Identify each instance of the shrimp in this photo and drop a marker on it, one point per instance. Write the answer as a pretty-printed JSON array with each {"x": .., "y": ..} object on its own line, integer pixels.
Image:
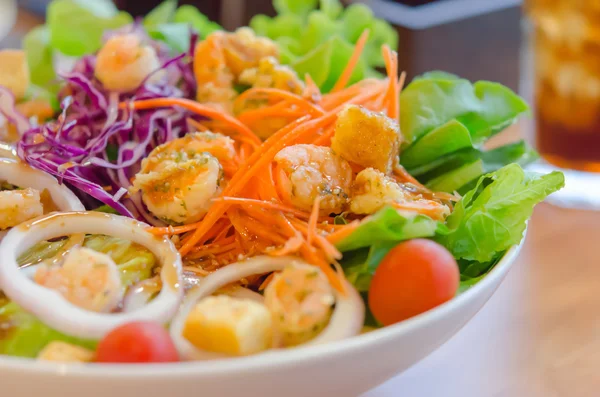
[
  {"x": 18, "y": 206},
  {"x": 224, "y": 59},
  {"x": 270, "y": 74},
  {"x": 372, "y": 190},
  {"x": 87, "y": 278},
  {"x": 367, "y": 138},
  {"x": 300, "y": 300},
  {"x": 315, "y": 171},
  {"x": 179, "y": 178},
  {"x": 124, "y": 63}
]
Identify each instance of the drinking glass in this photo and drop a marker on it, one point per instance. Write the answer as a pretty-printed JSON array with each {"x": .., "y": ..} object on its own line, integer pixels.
[{"x": 561, "y": 79}]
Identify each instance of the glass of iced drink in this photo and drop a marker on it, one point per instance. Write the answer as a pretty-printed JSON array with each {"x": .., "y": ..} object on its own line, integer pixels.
[{"x": 561, "y": 78}]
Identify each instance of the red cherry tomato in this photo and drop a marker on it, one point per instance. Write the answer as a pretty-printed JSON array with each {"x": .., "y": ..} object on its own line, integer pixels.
[
  {"x": 413, "y": 277},
  {"x": 138, "y": 342}
]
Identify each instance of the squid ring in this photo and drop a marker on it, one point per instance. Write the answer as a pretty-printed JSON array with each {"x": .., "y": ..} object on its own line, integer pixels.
[
  {"x": 52, "y": 308},
  {"x": 20, "y": 174},
  {"x": 347, "y": 318}
]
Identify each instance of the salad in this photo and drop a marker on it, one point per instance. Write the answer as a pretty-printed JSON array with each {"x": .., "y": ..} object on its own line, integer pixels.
[{"x": 172, "y": 191}]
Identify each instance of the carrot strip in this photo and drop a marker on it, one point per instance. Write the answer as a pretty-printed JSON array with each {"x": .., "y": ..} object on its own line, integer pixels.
[
  {"x": 266, "y": 282},
  {"x": 297, "y": 100},
  {"x": 264, "y": 204},
  {"x": 392, "y": 99},
  {"x": 196, "y": 125},
  {"x": 172, "y": 230},
  {"x": 243, "y": 175},
  {"x": 262, "y": 156},
  {"x": 196, "y": 108},
  {"x": 312, "y": 221},
  {"x": 311, "y": 91},
  {"x": 425, "y": 208},
  {"x": 282, "y": 184},
  {"x": 347, "y": 73},
  {"x": 342, "y": 233},
  {"x": 402, "y": 173},
  {"x": 252, "y": 116}
]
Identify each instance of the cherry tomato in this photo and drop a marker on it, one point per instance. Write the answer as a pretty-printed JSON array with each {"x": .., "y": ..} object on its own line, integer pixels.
[
  {"x": 138, "y": 342},
  {"x": 415, "y": 276}
]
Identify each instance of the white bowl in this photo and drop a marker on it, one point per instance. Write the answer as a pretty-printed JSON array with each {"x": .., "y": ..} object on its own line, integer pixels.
[{"x": 346, "y": 368}]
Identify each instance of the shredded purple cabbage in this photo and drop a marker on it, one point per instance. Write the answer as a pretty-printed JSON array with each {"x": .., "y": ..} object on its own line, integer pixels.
[{"x": 95, "y": 147}]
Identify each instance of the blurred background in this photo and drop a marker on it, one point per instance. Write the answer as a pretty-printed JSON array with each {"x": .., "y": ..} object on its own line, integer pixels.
[{"x": 476, "y": 39}]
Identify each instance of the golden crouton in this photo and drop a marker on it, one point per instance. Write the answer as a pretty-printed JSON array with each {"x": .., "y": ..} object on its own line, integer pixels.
[
  {"x": 367, "y": 138},
  {"x": 14, "y": 72},
  {"x": 65, "y": 352}
]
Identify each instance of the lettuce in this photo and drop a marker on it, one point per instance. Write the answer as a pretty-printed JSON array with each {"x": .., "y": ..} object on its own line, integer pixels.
[
  {"x": 376, "y": 236},
  {"x": 191, "y": 16},
  {"x": 318, "y": 37},
  {"x": 391, "y": 226},
  {"x": 39, "y": 56},
  {"x": 447, "y": 119},
  {"x": 23, "y": 335},
  {"x": 492, "y": 216},
  {"x": 76, "y": 26},
  {"x": 484, "y": 108},
  {"x": 161, "y": 14},
  {"x": 134, "y": 261}
]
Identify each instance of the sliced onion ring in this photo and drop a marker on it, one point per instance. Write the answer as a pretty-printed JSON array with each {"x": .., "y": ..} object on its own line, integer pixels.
[
  {"x": 20, "y": 174},
  {"x": 51, "y": 307},
  {"x": 347, "y": 318}
]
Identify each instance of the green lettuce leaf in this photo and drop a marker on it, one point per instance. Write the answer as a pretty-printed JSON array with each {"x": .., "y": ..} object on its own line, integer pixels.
[
  {"x": 176, "y": 35},
  {"x": 39, "y": 56},
  {"x": 23, "y": 335},
  {"x": 191, "y": 16},
  {"x": 76, "y": 26},
  {"x": 492, "y": 217},
  {"x": 457, "y": 178},
  {"x": 134, "y": 261},
  {"x": 320, "y": 41},
  {"x": 161, "y": 14},
  {"x": 437, "y": 75},
  {"x": 376, "y": 236},
  {"x": 331, "y": 8},
  {"x": 443, "y": 140},
  {"x": 316, "y": 63},
  {"x": 517, "y": 152},
  {"x": 297, "y": 7},
  {"x": 355, "y": 19},
  {"x": 484, "y": 108}
]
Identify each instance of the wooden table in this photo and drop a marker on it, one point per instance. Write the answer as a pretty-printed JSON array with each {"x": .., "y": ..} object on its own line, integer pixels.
[{"x": 538, "y": 336}]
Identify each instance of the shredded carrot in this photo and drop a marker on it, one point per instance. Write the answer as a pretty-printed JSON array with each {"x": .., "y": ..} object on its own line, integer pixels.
[
  {"x": 264, "y": 204},
  {"x": 347, "y": 73},
  {"x": 196, "y": 125},
  {"x": 429, "y": 208},
  {"x": 342, "y": 233},
  {"x": 392, "y": 99},
  {"x": 290, "y": 97},
  {"x": 254, "y": 213},
  {"x": 312, "y": 221},
  {"x": 311, "y": 91},
  {"x": 196, "y": 108},
  {"x": 276, "y": 111},
  {"x": 266, "y": 282},
  {"x": 402, "y": 173}
]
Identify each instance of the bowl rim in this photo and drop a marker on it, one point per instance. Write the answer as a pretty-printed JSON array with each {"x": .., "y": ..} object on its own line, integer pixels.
[{"x": 264, "y": 361}]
